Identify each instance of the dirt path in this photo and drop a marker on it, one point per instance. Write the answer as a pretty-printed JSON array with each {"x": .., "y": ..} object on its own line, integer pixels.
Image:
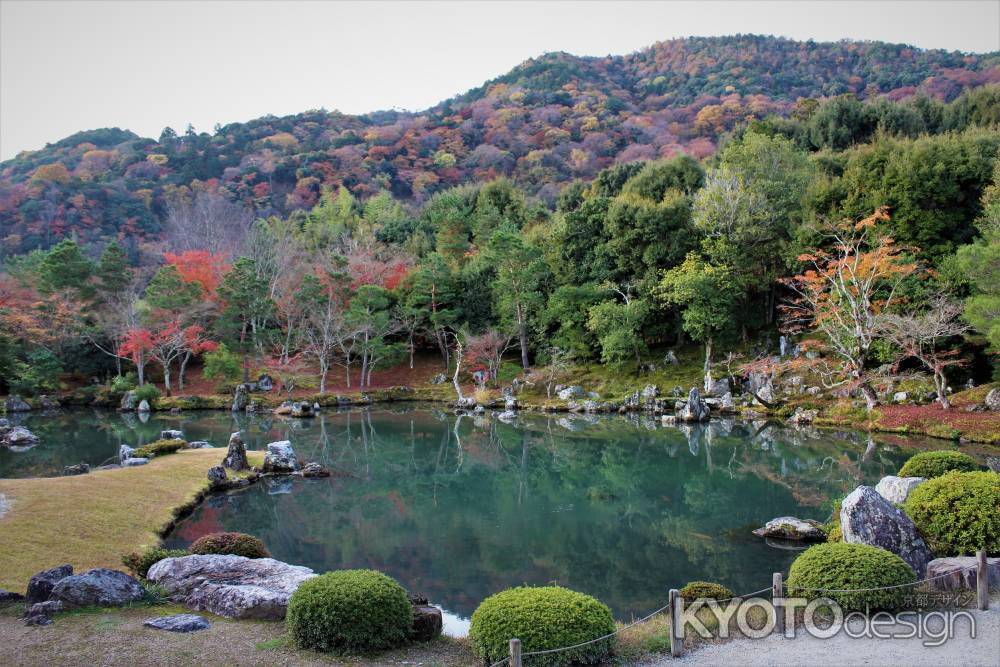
[{"x": 777, "y": 651}]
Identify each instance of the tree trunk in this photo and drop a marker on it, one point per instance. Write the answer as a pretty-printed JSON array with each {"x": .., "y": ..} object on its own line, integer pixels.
[
  {"x": 180, "y": 375},
  {"x": 708, "y": 364},
  {"x": 411, "y": 350},
  {"x": 871, "y": 398},
  {"x": 941, "y": 384},
  {"x": 166, "y": 377},
  {"x": 324, "y": 369},
  {"x": 140, "y": 369},
  {"x": 522, "y": 334},
  {"x": 246, "y": 368}
]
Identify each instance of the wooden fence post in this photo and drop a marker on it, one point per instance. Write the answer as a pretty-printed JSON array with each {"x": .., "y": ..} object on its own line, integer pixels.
[
  {"x": 777, "y": 593},
  {"x": 676, "y": 624},
  {"x": 983, "y": 580},
  {"x": 515, "y": 653}
]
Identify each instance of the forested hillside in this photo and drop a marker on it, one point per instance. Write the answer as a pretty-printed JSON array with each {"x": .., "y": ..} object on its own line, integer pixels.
[
  {"x": 549, "y": 121},
  {"x": 574, "y": 211}
]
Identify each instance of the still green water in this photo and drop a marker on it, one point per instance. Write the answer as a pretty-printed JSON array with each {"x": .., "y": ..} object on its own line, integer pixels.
[{"x": 457, "y": 508}]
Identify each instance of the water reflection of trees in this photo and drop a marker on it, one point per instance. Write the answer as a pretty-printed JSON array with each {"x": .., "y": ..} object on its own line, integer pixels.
[{"x": 458, "y": 507}]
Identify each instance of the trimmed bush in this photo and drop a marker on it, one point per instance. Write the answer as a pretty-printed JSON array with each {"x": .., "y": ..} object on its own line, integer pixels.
[
  {"x": 835, "y": 534},
  {"x": 159, "y": 448},
  {"x": 139, "y": 562},
  {"x": 935, "y": 464},
  {"x": 349, "y": 611},
  {"x": 146, "y": 392},
  {"x": 705, "y": 589},
  {"x": 542, "y": 618},
  {"x": 232, "y": 544},
  {"x": 843, "y": 566},
  {"x": 958, "y": 513}
]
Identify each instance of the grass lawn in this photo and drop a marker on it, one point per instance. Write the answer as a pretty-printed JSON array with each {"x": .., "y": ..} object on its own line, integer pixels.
[{"x": 91, "y": 520}]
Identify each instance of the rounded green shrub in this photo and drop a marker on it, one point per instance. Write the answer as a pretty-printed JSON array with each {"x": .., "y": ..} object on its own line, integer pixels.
[
  {"x": 835, "y": 534},
  {"x": 146, "y": 392},
  {"x": 349, "y": 611},
  {"x": 958, "y": 513},
  {"x": 139, "y": 562},
  {"x": 842, "y": 566},
  {"x": 705, "y": 589},
  {"x": 542, "y": 618},
  {"x": 935, "y": 464},
  {"x": 233, "y": 544}
]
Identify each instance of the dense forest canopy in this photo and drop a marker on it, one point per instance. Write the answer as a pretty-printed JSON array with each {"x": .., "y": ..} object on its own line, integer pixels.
[{"x": 573, "y": 210}]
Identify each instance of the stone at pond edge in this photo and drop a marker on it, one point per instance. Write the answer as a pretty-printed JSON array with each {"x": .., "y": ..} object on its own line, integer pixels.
[
  {"x": 868, "y": 518},
  {"x": 236, "y": 455},
  {"x": 171, "y": 435},
  {"x": 427, "y": 623},
  {"x": 18, "y": 436},
  {"x": 792, "y": 528},
  {"x": 217, "y": 475},
  {"x": 199, "y": 444},
  {"x": 241, "y": 397},
  {"x": 178, "y": 623},
  {"x": 78, "y": 469},
  {"x": 143, "y": 406},
  {"x": 135, "y": 461},
  {"x": 897, "y": 489},
  {"x": 302, "y": 409},
  {"x": 99, "y": 587},
  {"x": 40, "y": 585},
  {"x": 124, "y": 454},
  {"x": 694, "y": 409},
  {"x": 230, "y": 586},
  {"x": 314, "y": 469},
  {"x": 280, "y": 457},
  {"x": 17, "y": 404},
  {"x": 959, "y": 573},
  {"x": 129, "y": 401}
]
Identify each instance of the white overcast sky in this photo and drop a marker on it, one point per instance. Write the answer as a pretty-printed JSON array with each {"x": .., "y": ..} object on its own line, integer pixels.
[{"x": 69, "y": 66}]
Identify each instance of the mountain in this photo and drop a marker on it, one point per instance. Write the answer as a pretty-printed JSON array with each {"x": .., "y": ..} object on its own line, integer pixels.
[{"x": 552, "y": 119}]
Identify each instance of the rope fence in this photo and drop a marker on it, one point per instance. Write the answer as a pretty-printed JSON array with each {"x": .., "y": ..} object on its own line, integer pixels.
[{"x": 676, "y": 607}]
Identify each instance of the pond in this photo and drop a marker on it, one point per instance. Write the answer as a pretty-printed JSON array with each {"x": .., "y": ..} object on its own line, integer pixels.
[{"x": 457, "y": 508}]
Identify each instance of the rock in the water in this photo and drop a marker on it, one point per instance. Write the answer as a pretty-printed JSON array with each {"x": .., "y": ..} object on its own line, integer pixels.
[
  {"x": 171, "y": 435},
  {"x": 302, "y": 409},
  {"x": 897, "y": 489},
  {"x": 129, "y": 401},
  {"x": 143, "y": 406},
  {"x": 510, "y": 403},
  {"x": 803, "y": 416},
  {"x": 726, "y": 403},
  {"x": 284, "y": 409},
  {"x": 695, "y": 409},
  {"x": 567, "y": 393},
  {"x": 650, "y": 391},
  {"x": 40, "y": 585},
  {"x": 17, "y": 404},
  {"x": 280, "y": 457},
  {"x": 265, "y": 383},
  {"x": 198, "y": 444},
  {"x": 868, "y": 518},
  {"x": 135, "y": 461},
  {"x": 124, "y": 453},
  {"x": 217, "y": 475},
  {"x": 78, "y": 469},
  {"x": 7, "y": 597},
  {"x": 178, "y": 623},
  {"x": 18, "y": 436},
  {"x": 959, "y": 573},
  {"x": 230, "y": 586},
  {"x": 427, "y": 623},
  {"x": 315, "y": 470},
  {"x": 241, "y": 397},
  {"x": 236, "y": 455},
  {"x": 99, "y": 587},
  {"x": 792, "y": 528}
]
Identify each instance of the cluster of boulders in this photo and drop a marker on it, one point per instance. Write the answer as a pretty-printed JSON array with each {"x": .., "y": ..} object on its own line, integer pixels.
[
  {"x": 280, "y": 459},
  {"x": 16, "y": 437},
  {"x": 297, "y": 409}
]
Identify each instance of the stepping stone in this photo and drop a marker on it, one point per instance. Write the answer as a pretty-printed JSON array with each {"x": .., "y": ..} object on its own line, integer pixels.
[{"x": 178, "y": 623}]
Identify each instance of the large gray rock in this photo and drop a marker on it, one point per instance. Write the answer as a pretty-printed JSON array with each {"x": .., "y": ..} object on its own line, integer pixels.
[
  {"x": 17, "y": 404},
  {"x": 236, "y": 455},
  {"x": 265, "y": 383},
  {"x": 241, "y": 397},
  {"x": 129, "y": 401},
  {"x": 427, "y": 622},
  {"x": 792, "y": 528},
  {"x": 217, "y": 475},
  {"x": 280, "y": 457},
  {"x": 567, "y": 393},
  {"x": 694, "y": 409},
  {"x": 171, "y": 435},
  {"x": 720, "y": 387},
  {"x": 993, "y": 399},
  {"x": 178, "y": 623},
  {"x": 143, "y": 406},
  {"x": 230, "y": 586},
  {"x": 19, "y": 436},
  {"x": 897, "y": 489},
  {"x": 40, "y": 585},
  {"x": 959, "y": 573},
  {"x": 868, "y": 518},
  {"x": 135, "y": 461},
  {"x": 124, "y": 453},
  {"x": 99, "y": 587},
  {"x": 302, "y": 409}
]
